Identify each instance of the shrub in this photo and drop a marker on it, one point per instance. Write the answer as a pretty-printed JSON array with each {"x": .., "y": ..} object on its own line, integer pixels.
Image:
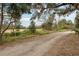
[
  {"x": 76, "y": 30},
  {"x": 15, "y": 33},
  {"x": 32, "y": 27}
]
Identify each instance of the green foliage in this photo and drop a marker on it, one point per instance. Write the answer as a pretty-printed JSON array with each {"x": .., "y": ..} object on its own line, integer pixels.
[
  {"x": 64, "y": 24},
  {"x": 13, "y": 34},
  {"x": 77, "y": 23},
  {"x": 50, "y": 5},
  {"x": 77, "y": 20},
  {"x": 10, "y": 37},
  {"x": 48, "y": 23},
  {"x": 47, "y": 26},
  {"x": 32, "y": 27},
  {"x": 76, "y": 30},
  {"x": 41, "y": 32},
  {"x": 14, "y": 12}
]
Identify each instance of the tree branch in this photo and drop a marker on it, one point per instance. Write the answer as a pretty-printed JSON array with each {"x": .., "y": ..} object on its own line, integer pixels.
[{"x": 7, "y": 27}]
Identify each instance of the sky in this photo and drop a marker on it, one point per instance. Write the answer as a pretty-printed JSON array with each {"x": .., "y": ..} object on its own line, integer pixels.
[
  {"x": 69, "y": 17},
  {"x": 25, "y": 19}
]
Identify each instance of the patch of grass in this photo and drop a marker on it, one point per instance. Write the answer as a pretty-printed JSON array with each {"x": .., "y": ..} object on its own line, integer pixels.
[
  {"x": 41, "y": 32},
  {"x": 20, "y": 35},
  {"x": 62, "y": 30}
]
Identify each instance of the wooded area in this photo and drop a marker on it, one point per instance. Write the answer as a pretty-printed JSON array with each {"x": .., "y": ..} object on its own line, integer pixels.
[{"x": 44, "y": 11}]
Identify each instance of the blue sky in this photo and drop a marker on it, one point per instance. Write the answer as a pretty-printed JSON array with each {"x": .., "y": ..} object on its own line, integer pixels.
[
  {"x": 69, "y": 17},
  {"x": 26, "y": 22}
]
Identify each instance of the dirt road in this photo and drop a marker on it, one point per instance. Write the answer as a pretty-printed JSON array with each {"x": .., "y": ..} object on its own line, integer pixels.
[{"x": 37, "y": 47}]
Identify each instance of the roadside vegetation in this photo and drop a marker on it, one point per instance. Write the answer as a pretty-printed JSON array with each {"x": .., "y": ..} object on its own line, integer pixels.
[{"x": 25, "y": 34}]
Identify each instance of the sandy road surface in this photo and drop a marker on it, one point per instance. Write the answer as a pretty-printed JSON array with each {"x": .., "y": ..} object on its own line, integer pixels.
[{"x": 36, "y": 47}]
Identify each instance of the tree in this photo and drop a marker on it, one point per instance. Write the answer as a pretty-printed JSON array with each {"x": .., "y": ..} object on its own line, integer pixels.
[
  {"x": 77, "y": 23},
  {"x": 64, "y": 24},
  {"x": 32, "y": 26},
  {"x": 44, "y": 9},
  {"x": 1, "y": 22},
  {"x": 47, "y": 25},
  {"x": 14, "y": 12},
  {"x": 77, "y": 20}
]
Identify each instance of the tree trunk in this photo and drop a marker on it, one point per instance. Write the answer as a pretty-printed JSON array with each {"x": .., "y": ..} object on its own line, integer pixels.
[
  {"x": 1, "y": 22},
  {"x": 1, "y": 39}
]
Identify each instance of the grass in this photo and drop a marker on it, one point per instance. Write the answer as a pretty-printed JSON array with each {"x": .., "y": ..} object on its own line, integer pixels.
[
  {"x": 20, "y": 35},
  {"x": 62, "y": 30},
  {"x": 24, "y": 34}
]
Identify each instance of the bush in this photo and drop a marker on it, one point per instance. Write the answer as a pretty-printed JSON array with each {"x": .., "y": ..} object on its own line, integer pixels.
[
  {"x": 32, "y": 27},
  {"x": 18, "y": 33},
  {"x": 15, "y": 33},
  {"x": 27, "y": 32},
  {"x": 76, "y": 30}
]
